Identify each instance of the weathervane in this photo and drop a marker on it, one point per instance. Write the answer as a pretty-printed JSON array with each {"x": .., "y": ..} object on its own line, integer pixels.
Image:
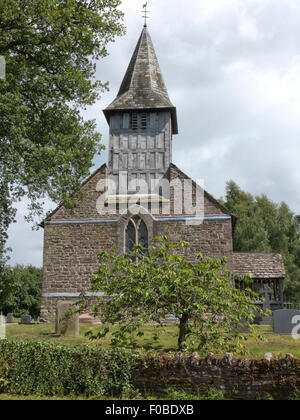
[{"x": 145, "y": 13}]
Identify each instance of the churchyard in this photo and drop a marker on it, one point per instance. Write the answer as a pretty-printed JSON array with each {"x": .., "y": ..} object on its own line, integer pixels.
[
  {"x": 33, "y": 343},
  {"x": 278, "y": 345}
]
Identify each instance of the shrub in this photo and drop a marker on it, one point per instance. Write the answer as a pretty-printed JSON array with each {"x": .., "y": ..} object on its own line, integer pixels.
[{"x": 42, "y": 368}]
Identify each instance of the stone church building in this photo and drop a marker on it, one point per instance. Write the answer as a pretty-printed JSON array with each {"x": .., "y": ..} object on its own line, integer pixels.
[{"x": 140, "y": 195}]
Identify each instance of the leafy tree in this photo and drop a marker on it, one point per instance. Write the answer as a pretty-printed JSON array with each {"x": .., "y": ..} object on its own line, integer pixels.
[
  {"x": 6, "y": 281},
  {"x": 250, "y": 234},
  {"x": 23, "y": 290},
  {"x": 264, "y": 226},
  {"x": 147, "y": 286},
  {"x": 50, "y": 47}
]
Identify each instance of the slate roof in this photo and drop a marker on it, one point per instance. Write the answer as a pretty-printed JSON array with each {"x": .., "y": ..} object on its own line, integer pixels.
[
  {"x": 143, "y": 87},
  {"x": 258, "y": 265}
]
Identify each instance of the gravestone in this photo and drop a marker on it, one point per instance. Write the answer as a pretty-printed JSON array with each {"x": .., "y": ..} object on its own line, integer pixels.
[
  {"x": 266, "y": 291},
  {"x": 2, "y": 327},
  {"x": 9, "y": 318},
  {"x": 286, "y": 321},
  {"x": 171, "y": 319},
  {"x": 67, "y": 322},
  {"x": 88, "y": 319},
  {"x": 26, "y": 319}
]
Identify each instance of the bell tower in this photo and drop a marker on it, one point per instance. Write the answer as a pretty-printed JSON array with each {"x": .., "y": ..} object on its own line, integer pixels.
[{"x": 142, "y": 121}]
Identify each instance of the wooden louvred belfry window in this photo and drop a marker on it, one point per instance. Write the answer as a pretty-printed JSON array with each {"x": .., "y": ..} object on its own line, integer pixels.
[
  {"x": 136, "y": 233},
  {"x": 143, "y": 121},
  {"x": 134, "y": 121},
  {"x": 137, "y": 120}
]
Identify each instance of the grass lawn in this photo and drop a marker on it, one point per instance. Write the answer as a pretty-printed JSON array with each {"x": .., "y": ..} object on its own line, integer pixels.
[
  {"x": 10, "y": 397},
  {"x": 170, "y": 396},
  {"x": 275, "y": 344}
]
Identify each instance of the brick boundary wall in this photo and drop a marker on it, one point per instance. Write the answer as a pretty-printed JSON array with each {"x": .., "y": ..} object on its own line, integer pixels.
[{"x": 237, "y": 378}]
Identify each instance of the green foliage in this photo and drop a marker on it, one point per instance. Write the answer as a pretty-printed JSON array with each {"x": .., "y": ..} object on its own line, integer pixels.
[
  {"x": 50, "y": 48},
  {"x": 250, "y": 234},
  {"x": 264, "y": 226},
  {"x": 40, "y": 368},
  {"x": 147, "y": 286},
  {"x": 23, "y": 290},
  {"x": 209, "y": 394},
  {"x": 6, "y": 282}
]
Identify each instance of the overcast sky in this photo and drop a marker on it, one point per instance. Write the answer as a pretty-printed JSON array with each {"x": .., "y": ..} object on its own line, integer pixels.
[{"x": 232, "y": 69}]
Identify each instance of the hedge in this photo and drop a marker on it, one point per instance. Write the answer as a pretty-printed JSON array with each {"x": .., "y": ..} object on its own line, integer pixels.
[{"x": 47, "y": 369}]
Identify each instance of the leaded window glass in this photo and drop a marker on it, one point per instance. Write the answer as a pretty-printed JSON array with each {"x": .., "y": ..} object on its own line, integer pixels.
[
  {"x": 130, "y": 236},
  {"x": 136, "y": 233}
]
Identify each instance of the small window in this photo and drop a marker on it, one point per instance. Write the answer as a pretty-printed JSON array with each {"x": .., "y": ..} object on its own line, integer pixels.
[
  {"x": 143, "y": 121},
  {"x": 134, "y": 121}
]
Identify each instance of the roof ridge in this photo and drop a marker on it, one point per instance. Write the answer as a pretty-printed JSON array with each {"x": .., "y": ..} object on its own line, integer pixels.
[
  {"x": 149, "y": 62},
  {"x": 132, "y": 63}
]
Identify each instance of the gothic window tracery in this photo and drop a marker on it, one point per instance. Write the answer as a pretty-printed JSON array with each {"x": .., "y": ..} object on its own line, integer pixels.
[{"x": 136, "y": 233}]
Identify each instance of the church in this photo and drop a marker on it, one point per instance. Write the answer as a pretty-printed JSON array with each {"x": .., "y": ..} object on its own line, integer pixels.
[{"x": 141, "y": 194}]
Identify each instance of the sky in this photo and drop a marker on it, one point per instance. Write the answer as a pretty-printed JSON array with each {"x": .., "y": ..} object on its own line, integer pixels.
[{"x": 232, "y": 69}]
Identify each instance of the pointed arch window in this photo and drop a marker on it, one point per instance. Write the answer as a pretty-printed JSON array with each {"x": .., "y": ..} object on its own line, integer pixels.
[{"x": 136, "y": 233}]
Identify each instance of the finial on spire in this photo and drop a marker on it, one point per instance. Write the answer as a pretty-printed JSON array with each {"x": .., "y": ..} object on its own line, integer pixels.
[{"x": 145, "y": 13}]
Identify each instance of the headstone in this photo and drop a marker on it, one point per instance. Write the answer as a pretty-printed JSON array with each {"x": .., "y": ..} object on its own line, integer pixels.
[
  {"x": 171, "y": 319},
  {"x": 9, "y": 318},
  {"x": 286, "y": 321},
  {"x": 67, "y": 322},
  {"x": 266, "y": 291},
  {"x": 26, "y": 319},
  {"x": 2, "y": 327},
  {"x": 88, "y": 319}
]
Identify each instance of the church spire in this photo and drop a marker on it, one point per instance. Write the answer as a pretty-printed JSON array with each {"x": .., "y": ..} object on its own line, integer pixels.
[{"x": 143, "y": 87}]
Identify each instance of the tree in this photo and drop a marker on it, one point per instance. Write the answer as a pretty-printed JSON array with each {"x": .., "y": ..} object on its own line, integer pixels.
[
  {"x": 250, "y": 234},
  {"x": 46, "y": 147},
  {"x": 6, "y": 281},
  {"x": 265, "y": 226},
  {"x": 23, "y": 290},
  {"x": 146, "y": 286}
]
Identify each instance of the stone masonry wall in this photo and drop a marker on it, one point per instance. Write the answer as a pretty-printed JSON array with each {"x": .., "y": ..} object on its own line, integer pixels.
[
  {"x": 239, "y": 378},
  {"x": 86, "y": 208},
  {"x": 70, "y": 251},
  {"x": 212, "y": 238},
  {"x": 70, "y": 258},
  {"x": 72, "y": 239}
]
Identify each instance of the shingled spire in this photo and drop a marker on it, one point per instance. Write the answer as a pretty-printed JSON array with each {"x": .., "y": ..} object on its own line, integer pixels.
[{"x": 143, "y": 87}]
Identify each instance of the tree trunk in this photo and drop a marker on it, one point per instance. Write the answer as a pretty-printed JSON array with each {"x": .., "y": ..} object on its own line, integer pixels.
[{"x": 182, "y": 329}]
